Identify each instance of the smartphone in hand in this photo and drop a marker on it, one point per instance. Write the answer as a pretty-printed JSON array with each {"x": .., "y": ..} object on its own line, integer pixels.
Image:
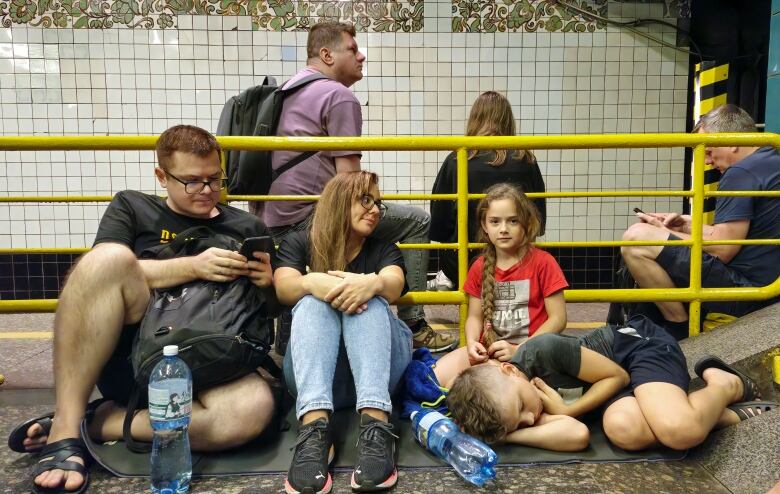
[
  {"x": 252, "y": 244},
  {"x": 263, "y": 244}
]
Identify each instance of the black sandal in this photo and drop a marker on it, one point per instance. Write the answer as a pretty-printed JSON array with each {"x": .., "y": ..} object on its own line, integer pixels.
[
  {"x": 19, "y": 433},
  {"x": 55, "y": 456},
  {"x": 749, "y": 386},
  {"x": 749, "y": 409}
]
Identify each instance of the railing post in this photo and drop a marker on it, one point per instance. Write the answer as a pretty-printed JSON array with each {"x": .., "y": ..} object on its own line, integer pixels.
[
  {"x": 223, "y": 163},
  {"x": 697, "y": 233},
  {"x": 463, "y": 234}
]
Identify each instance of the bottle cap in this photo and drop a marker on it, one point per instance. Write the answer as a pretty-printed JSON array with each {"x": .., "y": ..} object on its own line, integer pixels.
[{"x": 170, "y": 350}]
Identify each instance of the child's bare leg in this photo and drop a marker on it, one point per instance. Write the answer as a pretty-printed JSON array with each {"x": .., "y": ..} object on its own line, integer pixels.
[
  {"x": 681, "y": 421},
  {"x": 625, "y": 425}
]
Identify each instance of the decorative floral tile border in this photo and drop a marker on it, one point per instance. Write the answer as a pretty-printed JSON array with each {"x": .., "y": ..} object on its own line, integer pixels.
[
  {"x": 525, "y": 15},
  {"x": 270, "y": 15},
  {"x": 487, "y": 16}
]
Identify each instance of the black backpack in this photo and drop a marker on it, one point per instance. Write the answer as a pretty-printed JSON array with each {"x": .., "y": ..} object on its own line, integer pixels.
[
  {"x": 222, "y": 329},
  {"x": 256, "y": 112}
]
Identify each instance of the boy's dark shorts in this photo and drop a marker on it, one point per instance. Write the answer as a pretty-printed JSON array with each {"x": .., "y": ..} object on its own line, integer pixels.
[
  {"x": 676, "y": 261},
  {"x": 116, "y": 380},
  {"x": 651, "y": 357}
]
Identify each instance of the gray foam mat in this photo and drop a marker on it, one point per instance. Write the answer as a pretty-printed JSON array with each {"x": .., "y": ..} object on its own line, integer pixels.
[{"x": 272, "y": 452}]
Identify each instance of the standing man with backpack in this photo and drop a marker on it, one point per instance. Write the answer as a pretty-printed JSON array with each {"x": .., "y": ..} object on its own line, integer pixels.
[
  {"x": 106, "y": 296},
  {"x": 327, "y": 107}
]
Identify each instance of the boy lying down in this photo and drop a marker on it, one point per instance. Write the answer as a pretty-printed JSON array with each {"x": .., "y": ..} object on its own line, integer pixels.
[{"x": 638, "y": 372}]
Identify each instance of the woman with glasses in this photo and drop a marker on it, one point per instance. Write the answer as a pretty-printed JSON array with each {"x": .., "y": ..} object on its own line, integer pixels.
[{"x": 346, "y": 348}]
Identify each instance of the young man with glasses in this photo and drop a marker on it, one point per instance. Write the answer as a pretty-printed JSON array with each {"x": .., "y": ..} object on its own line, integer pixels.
[
  {"x": 105, "y": 298},
  {"x": 327, "y": 107}
]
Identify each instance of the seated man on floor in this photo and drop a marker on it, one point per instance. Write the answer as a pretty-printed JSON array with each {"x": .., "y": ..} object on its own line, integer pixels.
[
  {"x": 737, "y": 218},
  {"x": 106, "y": 296},
  {"x": 638, "y": 371}
]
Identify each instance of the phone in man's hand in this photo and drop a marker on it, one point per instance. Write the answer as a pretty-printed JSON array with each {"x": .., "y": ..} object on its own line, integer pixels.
[{"x": 252, "y": 244}]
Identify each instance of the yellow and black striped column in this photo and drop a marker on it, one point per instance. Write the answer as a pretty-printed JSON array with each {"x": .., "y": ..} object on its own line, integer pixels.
[{"x": 710, "y": 91}]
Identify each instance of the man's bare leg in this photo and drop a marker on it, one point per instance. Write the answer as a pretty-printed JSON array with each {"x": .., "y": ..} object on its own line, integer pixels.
[
  {"x": 222, "y": 417},
  {"x": 641, "y": 261},
  {"x": 105, "y": 290}
]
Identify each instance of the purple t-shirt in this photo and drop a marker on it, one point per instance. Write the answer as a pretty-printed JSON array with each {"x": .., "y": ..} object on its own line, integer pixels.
[{"x": 321, "y": 108}]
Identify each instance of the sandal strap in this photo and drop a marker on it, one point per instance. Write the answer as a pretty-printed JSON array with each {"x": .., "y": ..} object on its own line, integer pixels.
[
  {"x": 45, "y": 423},
  {"x": 742, "y": 412},
  {"x": 746, "y": 410},
  {"x": 55, "y": 456},
  {"x": 19, "y": 433},
  {"x": 71, "y": 466},
  {"x": 751, "y": 390}
]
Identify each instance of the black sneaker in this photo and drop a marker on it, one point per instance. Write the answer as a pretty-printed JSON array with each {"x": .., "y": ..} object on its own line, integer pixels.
[
  {"x": 375, "y": 464},
  {"x": 309, "y": 468}
]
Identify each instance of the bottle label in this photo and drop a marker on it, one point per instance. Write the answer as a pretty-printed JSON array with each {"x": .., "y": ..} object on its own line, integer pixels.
[
  {"x": 425, "y": 425},
  {"x": 171, "y": 402}
]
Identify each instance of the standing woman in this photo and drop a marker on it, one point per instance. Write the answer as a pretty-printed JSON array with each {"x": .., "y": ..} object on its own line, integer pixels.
[
  {"x": 346, "y": 346},
  {"x": 491, "y": 115}
]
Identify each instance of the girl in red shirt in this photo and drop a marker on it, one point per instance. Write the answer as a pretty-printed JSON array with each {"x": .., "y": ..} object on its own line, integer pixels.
[{"x": 515, "y": 290}]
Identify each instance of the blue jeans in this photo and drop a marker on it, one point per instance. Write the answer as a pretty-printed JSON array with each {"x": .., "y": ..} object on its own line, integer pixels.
[
  {"x": 408, "y": 224},
  {"x": 345, "y": 360}
]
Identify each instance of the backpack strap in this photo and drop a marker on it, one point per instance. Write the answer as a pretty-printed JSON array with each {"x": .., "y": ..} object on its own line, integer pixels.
[
  {"x": 189, "y": 242},
  {"x": 132, "y": 408},
  {"x": 269, "y": 365},
  {"x": 303, "y": 81},
  {"x": 296, "y": 160},
  {"x": 284, "y": 92}
]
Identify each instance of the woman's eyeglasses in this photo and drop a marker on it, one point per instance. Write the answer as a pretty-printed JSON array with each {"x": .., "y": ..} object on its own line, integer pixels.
[
  {"x": 369, "y": 202},
  {"x": 197, "y": 186}
]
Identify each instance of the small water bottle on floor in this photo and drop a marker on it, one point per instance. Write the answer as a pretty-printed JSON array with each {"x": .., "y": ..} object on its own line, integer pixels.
[
  {"x": 474, "y": 460},
  {"x": 170, "y": 407}
]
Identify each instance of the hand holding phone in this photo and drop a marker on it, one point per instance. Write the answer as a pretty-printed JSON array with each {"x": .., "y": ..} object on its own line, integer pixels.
[{"x": 252, "y": 244}]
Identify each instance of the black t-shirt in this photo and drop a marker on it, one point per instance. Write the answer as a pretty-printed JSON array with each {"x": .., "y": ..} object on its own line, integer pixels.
[
  {"x": 140, "y": 221},
  {"x": 759, "y": 171},
  {"x": 523, "y": 173},
  {"x": 556, "y": 358},
  {"x": 375, "y": 254}
]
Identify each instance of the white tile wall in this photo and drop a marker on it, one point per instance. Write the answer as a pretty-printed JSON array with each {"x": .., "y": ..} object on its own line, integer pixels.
[{"x": 120, "y": 81}]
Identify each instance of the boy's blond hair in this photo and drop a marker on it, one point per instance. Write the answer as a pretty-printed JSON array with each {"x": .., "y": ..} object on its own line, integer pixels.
[{"x": 473, "y": 403}]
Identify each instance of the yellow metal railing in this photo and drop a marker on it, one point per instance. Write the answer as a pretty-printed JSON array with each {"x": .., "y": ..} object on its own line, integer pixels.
[{"x": 694, "y": 294}]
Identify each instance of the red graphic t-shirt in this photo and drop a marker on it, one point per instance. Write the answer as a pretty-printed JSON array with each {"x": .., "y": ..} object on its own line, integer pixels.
[{"x": 519, "y": 293}]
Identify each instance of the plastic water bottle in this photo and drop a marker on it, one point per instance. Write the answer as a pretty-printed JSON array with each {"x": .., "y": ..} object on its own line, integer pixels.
[
  {"x": 170, "y": 407},
  {"x": 474, "y": 460}
]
